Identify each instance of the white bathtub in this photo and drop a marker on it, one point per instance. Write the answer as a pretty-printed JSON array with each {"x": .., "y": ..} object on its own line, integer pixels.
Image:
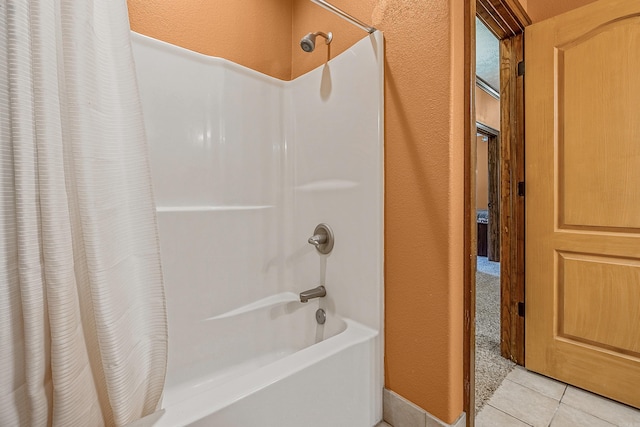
[
  {"x": 242, "y": 175},
  {"x": 306, "y": 375}
]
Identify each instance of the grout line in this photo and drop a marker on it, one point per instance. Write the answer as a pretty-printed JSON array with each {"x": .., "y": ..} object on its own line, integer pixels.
[
  {"x": 554, "y": 413},
  {"x": 553, "y": 398},
  {"x": 608, "y": 421},
  {"x": 533, "y": 390},
  {"x": 566, "y": 387},
  {"x": 510, "y": 415}
]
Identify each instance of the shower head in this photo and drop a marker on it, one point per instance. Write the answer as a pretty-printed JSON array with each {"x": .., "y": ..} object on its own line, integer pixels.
[{"x": 308, "y": 42}]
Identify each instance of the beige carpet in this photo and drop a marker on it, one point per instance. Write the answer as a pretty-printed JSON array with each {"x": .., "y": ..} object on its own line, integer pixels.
[{"x": 491, "y": 368}]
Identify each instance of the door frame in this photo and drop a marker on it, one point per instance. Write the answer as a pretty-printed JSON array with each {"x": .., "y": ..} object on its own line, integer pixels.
[
  {"x": 507, "y": 20},
  {"x": 494, "y": 178}
]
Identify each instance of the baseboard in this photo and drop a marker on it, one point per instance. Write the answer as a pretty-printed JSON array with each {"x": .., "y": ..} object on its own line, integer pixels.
[{"x": 399, "y": 412}]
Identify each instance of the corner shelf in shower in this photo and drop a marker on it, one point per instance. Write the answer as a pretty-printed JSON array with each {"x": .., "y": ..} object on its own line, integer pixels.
[
  {"x": 328, "y": 185},
  {"x": 211, "y": 208}
]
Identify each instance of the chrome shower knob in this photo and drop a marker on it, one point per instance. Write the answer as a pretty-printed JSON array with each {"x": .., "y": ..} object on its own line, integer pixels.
[{"x": 322, "y": 239}]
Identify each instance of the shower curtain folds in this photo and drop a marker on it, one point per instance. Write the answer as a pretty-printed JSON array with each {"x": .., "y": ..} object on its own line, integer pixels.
[{"x": 83, "y": 329}]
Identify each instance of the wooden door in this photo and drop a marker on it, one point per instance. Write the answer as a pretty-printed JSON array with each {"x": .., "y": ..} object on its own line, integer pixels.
[{"x": 582, "y": 91}]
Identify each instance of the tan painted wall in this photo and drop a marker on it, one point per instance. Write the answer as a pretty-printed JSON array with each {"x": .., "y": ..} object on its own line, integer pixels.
[
  {"x": 424, "y": 155},
  {"x": 487, "y": 109},
  {"x": 539, "y": 10},
  {"x": 253, "y": 33}
]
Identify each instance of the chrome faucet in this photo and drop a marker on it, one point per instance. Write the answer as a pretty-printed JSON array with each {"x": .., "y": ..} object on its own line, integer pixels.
[{"x": 318, "y": 292}]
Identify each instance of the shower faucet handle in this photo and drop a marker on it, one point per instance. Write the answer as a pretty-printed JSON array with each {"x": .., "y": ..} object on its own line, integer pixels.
[
  {"x": 322, "y": 239},
  {"x": 317, "y": 240}
]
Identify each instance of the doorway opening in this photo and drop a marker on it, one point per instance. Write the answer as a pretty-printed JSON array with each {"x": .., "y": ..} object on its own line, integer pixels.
[
  {"x": 490, "y": 367},
  {"x": 505, "y": 20}
]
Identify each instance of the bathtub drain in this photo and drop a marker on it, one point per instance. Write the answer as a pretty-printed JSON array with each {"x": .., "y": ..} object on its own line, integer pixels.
[{"x": 321, "y": 316}]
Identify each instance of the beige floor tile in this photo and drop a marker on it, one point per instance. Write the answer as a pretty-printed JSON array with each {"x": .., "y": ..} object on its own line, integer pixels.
[
  {"x": 383, "y": 424},
  {"x": 544, "y": 385},
  {"x": 524, "y": 404},
  {"x": 492, "y": 417},
  {"x": 566, "y": 416},
  {"x": 614, "y": 412}
]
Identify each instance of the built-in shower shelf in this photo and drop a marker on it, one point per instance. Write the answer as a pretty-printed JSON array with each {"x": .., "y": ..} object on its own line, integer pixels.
[
  {"x": 211, "y": 208},
  {"x": 327, "y": 185}
]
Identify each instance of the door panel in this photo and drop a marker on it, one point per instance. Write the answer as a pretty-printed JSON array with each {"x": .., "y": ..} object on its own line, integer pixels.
[
  {"x": 596, "y": 81},
  {"x": 597, "y": 296},
  {"x": 583, "y": 198}
]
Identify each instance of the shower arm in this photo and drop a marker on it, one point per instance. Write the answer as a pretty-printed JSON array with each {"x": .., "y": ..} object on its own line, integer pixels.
[{"x": 358, "y": 23}]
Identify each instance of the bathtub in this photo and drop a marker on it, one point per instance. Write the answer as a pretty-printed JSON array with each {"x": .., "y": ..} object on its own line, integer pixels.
[{"x": 306, "y": 375}]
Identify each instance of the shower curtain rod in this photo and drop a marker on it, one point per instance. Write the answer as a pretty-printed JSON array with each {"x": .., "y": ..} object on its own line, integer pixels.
[{"x": 345, "y": 15}]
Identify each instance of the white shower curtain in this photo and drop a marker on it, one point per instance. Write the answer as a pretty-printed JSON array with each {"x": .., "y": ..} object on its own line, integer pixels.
[{"x": 83, "y": 330}]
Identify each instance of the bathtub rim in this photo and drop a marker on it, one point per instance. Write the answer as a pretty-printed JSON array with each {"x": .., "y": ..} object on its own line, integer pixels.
[{"x": 211, "y": 400}]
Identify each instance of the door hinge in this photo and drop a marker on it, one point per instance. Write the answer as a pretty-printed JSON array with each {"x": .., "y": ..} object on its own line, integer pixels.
[
  {"x": 520, "y": 68},
  {"x": 521, "y": 188},
  {"x": 521, "y": 309}
]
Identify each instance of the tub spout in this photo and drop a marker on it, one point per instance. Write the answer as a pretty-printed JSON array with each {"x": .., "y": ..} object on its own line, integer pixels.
[{"x": 318, "y": 292}]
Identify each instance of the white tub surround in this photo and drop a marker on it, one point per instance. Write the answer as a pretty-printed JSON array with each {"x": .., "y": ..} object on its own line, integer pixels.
[{"x": 245, "y": 166}]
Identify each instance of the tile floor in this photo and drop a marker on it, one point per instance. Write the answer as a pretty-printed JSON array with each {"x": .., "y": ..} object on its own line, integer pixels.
[{"x": 528, "y": 399}]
